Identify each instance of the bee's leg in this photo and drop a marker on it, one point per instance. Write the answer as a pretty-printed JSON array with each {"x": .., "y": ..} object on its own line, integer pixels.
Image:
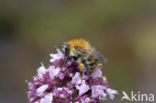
[
  {"x": 70, "y": 58},
  {"x": 67, "y": 59},
  {"x": 81, "y": 67},
  {"x": 67, "y": 52},
  {"x": 65, "y": 62},
  {"x": 82, "y": 64},
  {"x": 98, "y": 66}
]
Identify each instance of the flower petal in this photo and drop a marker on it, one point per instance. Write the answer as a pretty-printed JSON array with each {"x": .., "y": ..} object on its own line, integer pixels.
[
  {"x": 111, "y": 93},
  {"x": 41, "y": 89},
  {"x": 76, "y": 79},
  {"x": 57, "y": 56},
  {"x": 83, "y": 88},
  {"x": 98, "y": 91},
  {"x": 61, "y": 76},
  {"x": 97, "y": 73},
  {"x": 41, "y": 70},
  {"x": 87, "y": 100},
  {"x": 31, "y": 86},
  {"x": 53, "y": 71},
  {"x": 47, "y": 99}
]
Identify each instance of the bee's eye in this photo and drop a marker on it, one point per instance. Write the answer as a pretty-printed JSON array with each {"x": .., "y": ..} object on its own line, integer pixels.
[{"x": 66, "y": 50}]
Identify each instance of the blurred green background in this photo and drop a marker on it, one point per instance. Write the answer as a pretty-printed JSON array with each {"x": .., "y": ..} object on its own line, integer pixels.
[{"x": 123, "y": 30}]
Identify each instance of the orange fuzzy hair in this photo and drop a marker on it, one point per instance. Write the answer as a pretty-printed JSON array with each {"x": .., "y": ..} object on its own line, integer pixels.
[{"x": 81, "y": 43}]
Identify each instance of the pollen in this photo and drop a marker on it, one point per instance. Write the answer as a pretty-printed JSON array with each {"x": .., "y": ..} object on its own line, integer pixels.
[
  {"x": 81, "y": 43},
  {"x": 81, "y": 67}
]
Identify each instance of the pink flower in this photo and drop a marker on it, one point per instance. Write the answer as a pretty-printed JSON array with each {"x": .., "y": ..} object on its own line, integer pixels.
[
  {"x": 41, "y": 90},
  {"x": 76, "y": 79},
  {"x": 58, "y": 56},
  {"x": 83, "y": 88},
  {"x": 98, "y": 91},
  {"x": 41, "y": 70},
  {"x": 87, "y": 100},
  {"x": 64, "y": 83},
  {"x": 97, "y": 73},
  {"x": 47, "y": 99},
  {"x": 53, "y": 71},
  {"x": 61, "y": 76},
  {"x": 111, "y": 93}
]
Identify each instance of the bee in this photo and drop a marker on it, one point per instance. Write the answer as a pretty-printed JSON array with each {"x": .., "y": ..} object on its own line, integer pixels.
[{"x": 81, "y": 51}]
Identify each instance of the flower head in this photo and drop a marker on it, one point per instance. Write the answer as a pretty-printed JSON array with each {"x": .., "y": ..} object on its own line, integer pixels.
[
  {"x": 63, "y": 82},
  {"x": 98, "y": 91},
  {"x": 41, "y": 70},
  {"x": 57, "y": 56}
]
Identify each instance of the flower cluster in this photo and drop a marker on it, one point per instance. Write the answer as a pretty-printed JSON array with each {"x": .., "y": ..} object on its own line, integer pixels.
[{"x": 63, "y": 83}]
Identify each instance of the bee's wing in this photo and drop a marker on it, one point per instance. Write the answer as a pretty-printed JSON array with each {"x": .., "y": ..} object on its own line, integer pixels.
[
  {"x": 97, "y": 55},
  {"x": 94, "y": 53}
]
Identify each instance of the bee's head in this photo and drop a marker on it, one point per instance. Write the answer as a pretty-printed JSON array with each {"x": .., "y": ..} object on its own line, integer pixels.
[{"x": 66, "y": 49}]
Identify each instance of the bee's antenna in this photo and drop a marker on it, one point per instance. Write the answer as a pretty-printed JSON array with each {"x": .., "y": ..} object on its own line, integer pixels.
[{"x": 57, "y": 47}]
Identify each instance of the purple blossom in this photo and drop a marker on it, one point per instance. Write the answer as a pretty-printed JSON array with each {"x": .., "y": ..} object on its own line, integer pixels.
[
  {"x": 41, "y": 70},
  {"x": 41, "y": 90},
  {"x": 86, "y": 100},
  {"x": 57, "y": 56},
  {"x": 83, "y": 88},
  {"x": 97, "y": 73},
  {"x": 61, "y": 76},
  {"x": 98, "y": 92},
  {"x": 47, "y": 99},
  {"x": 111, "y": 93},
  {"x": 76, "y": 79},
  {"x": 53, "y": 71},
  {"x": 64, "y": 83}
]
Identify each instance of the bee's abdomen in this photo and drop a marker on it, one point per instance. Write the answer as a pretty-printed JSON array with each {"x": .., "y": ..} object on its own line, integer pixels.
[
  {"x": 87, "y": 60},
  {"x": 90, "y": 63}
]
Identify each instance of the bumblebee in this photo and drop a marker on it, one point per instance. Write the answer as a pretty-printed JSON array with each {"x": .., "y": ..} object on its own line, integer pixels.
[{"x": 81, "y": 51}]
